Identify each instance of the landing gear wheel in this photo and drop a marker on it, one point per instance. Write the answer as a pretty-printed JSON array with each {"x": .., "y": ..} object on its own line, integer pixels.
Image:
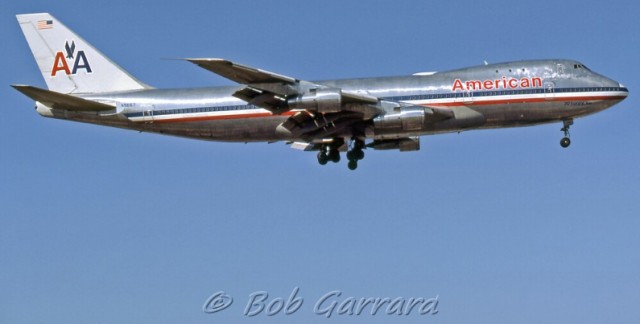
[
  {"x": 334, "y": 156},
  {"x": 566, "y": 124},
  {"x": 353, "y": 164},
  {"x": 356, "y": 153},
  {"x": 322, "y": 158}
]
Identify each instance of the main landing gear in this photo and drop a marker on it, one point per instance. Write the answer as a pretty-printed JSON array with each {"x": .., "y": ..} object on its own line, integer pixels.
[
  {"x": 330, "y": 153},
  {"x": 355, "y": 154},
  {"x": 327, "y": 154},
  {"x": 566, "y": 141}
]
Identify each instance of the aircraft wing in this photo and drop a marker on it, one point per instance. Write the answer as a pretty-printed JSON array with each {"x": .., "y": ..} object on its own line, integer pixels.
[
  {"x": 241, "y": 73},
  {"x": 323, "y": 111},
  {"x": 271, "y": 90},
  {"x": 62, "y": 101}
]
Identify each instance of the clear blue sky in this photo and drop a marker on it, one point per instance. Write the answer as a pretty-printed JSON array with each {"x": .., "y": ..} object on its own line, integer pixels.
[{"x": 101, "y": 225}]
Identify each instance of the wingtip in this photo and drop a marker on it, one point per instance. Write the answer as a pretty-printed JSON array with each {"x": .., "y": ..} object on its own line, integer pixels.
[
  {"x": 205, "y": 59},
  {"x": 23, "y": 88}
]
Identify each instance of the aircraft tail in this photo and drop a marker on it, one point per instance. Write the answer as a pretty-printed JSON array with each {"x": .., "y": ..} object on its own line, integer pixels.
[{"x": 68, "y": 63}]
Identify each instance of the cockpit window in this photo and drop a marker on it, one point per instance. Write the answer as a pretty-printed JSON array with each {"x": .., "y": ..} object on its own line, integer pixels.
[{"x": 580, "y": 66}]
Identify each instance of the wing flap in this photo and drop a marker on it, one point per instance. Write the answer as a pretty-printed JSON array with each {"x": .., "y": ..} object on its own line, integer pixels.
[{"x": 58, "y": 100}]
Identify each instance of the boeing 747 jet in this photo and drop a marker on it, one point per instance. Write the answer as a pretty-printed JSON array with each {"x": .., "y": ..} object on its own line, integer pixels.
[{"x": 328, "y": 117}]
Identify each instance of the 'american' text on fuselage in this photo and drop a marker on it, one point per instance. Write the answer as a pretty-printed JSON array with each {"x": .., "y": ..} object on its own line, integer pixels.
[{"x": 503, "y": 83}]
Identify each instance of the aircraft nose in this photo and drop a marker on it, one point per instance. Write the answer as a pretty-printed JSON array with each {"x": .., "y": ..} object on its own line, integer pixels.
[{"x": 623, "y": 90}]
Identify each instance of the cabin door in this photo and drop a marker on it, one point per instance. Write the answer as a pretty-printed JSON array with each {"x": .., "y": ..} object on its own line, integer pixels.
[
  {"x": 147, "y": 114},
  {"x": 549, "y": 90}
]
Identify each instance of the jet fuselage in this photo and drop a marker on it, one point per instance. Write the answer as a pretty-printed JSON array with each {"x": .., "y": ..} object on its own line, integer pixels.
[{"x": 495, "y": 95}]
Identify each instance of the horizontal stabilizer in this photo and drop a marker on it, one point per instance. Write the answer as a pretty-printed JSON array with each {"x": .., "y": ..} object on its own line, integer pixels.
[{"x": 58, "y": 100}]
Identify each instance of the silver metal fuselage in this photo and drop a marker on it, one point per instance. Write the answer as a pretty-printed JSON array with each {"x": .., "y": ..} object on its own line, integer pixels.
[{"x": 488, "y": 96}]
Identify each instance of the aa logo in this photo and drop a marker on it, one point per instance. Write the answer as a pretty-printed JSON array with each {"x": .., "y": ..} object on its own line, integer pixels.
[{"x": 62, "y": 61}]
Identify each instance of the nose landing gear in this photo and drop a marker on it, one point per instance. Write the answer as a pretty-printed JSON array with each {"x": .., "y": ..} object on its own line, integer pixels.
[{"x": 566, "y": 141}]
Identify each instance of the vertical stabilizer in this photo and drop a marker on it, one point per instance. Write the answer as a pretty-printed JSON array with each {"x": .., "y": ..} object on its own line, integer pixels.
[{"x": 68, "y": 63}]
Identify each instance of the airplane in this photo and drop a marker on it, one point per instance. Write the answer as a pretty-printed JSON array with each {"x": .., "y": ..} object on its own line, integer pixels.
[{"x": 329, "y": 117}]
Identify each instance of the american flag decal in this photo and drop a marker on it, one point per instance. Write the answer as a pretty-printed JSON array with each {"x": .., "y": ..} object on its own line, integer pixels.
[{"x": 45, "y": 24}]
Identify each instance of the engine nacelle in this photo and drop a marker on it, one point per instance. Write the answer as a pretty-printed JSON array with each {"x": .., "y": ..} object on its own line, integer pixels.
[
  {"x": 318, "y": 100},
  {"x": 406, "y": 119}
]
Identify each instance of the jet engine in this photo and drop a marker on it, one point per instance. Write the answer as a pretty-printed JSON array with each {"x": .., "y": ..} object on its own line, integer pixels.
[
  {"x": 404, "y": 118},
  {"x": 318, "y": 100}
]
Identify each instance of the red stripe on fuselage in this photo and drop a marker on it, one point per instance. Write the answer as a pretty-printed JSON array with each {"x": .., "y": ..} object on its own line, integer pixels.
[
  {"x": 519, "y": 100},
  {"x": 438, "y": 104}
]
